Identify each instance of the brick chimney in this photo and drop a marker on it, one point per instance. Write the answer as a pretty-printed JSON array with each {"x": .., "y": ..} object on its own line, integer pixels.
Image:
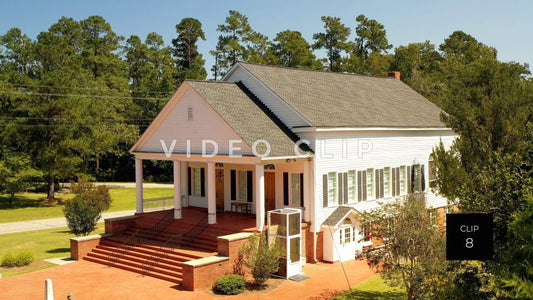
[{"x": 394, "y": 74}]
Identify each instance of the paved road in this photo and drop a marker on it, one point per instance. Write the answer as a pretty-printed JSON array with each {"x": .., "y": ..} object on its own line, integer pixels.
[{"x": 52, "y": 223}]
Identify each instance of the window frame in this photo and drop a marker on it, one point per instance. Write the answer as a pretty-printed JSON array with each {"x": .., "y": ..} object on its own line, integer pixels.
[
  {"x": 196, "y": 182},
  {"x": 387, "y": 184},
  {"x": 370, "y": 184},
  {"x": 352, "y": 196},
  {"x": 291, "y": 189},
  {"x": 239, "y": 195},
  {"x": 403, "y": 181}
]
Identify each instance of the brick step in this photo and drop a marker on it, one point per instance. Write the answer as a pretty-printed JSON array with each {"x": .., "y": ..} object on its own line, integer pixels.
[
  {"x": 159, "y": 269},
  {"x": 141, "y": 258},
  {"x": 151, "y": 249},
  {"x": 146, "y": 253},
  {"x": 204, "y": 242},
  {"x": 126, "y": 267}
]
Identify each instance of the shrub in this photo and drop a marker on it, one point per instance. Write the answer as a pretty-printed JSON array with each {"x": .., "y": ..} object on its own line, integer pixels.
[
  {"x": 84, "y": 210},
  {"x": 22, "y": 259},
  {"x": 261, "y": 258},
  {"x": 231, "y": 284}
]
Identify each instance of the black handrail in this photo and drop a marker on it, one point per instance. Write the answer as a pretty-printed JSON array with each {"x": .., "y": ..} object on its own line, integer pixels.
[
  {"x": 121, "y": 247},
  {"x": 160, "y": 226},
  {"x": 182, "y": 239}
]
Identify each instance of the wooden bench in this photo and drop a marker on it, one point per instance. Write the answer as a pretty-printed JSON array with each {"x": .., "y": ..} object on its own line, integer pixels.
[{"x": 243, "y": 207}]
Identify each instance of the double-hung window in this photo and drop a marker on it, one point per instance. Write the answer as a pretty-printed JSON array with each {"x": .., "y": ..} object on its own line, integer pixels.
[
  {"x": 352, "y": 186},
  {"x": 387, "y": 182},
  {"x": 332, "y": 188},
  {"x": 197, "y": 180},
  {"x": 296, "y": 189},
  {"x": 403, "y": 180},
  {"x": 370, "y": 184}
]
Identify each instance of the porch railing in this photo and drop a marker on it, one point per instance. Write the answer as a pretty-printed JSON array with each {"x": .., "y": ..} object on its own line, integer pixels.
[{"x": 160, "y": 203}]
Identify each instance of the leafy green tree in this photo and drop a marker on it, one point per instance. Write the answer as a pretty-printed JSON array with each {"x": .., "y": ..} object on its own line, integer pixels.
[
  {"x": 238, "y": 41},
  {"x": 67, "y": 115},
  {"x": 413, "y": 255},
  {"x": 368, "y": 55},
  {"x": 261, "y": 258},
  {"x": 334, "y": 40},
  {"x": 371, "y": 37},
  {"x": 516, "y": 271},
  {"x": 189, "y": 61},
  {"x": 290, "y": 49},
  {"x": 85, "y": 209},
  {"x": 418, "y": 64},
  {"x": 19, "y": 52},
  {"x": 16, "y": 173},
  {"x": 488, "y": 103},
  {"x": 100, "y": 44}
]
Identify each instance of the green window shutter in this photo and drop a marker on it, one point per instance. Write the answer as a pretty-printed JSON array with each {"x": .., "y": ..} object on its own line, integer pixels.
[
  {"x": 250, "y": 186},
  {"x": 189, "y": 177},
  {"x": 409, "y": 179},
  {"x": 376, "y": 181},
  {"x": 325, "y": 190},
  {"x": 202, "y": 182},
  {"x": 364, "y": 185},
  {"x": 423, "y": 178},
  {"x": 285, "y": 188},
  {"x": 381, "y": 183},
  {"x": 345, "y": 181},
  {"x": 359, "y": 186},
  {"x": 339, "y": 186},
  {"x": 393, "y": 181},
  {"x": 233, "y": 179},
  {"x": 302, "y": 189},
  {"x": 398, "y": 188}
]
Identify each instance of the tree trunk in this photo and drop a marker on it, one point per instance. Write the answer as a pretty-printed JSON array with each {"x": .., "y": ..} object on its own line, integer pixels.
[
  {"x": 11, "y": 200},
  {"x": 51, "y": 188}
]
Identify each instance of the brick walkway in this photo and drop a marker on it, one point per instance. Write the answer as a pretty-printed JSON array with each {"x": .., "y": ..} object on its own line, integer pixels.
[{"x": 86, "y": 280}]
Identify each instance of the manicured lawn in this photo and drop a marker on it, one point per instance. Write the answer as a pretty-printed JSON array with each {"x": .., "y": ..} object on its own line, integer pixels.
[
  {"x": 30, "y": 206},
  {"x": 373, "y": 288},
  {"x": 46, "y": 243}
]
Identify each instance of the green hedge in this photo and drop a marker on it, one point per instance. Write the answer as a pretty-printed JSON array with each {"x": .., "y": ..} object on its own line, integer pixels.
[
  {"x": 22, "y": 259},
  {"x": 231, "y": 284}
]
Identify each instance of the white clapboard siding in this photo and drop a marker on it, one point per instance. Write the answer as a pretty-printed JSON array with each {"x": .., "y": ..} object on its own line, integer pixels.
[
  {"x": 279, "y": 107},
  {"x": 388, "y": 149},
  {"x": 205, "y": 125}
]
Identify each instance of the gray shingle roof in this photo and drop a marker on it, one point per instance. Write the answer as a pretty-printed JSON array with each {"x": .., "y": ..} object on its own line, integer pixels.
[
  {"x": 338, "y": 215},
  {"x": 244, "y": 116},
  {"x": 330, "y": 99}
]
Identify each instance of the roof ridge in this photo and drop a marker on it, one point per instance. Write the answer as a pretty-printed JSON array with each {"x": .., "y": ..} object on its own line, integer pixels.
[
  {"x": 208, "y": 81},
  {"x": 316, "y": 71}
]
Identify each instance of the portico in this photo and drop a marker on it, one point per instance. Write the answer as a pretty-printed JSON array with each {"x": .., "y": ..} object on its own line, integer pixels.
[{"x": 217, "y": 182}]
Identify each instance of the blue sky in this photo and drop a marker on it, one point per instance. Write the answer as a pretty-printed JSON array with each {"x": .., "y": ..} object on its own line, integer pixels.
[{"x": 505, "y": 25}]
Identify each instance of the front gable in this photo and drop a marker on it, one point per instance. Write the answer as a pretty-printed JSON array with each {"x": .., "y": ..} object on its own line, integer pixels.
[{"x": 187, "y": 124}]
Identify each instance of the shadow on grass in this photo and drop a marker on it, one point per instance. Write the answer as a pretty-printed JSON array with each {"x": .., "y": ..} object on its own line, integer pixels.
[
  {"x": 370, "y": 295},
  {"x": 20, "y": 201},
  {"x": 59, "y": 250}
]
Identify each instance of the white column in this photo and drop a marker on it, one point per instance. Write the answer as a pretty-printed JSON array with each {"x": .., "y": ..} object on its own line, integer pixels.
[
  {"x": 259, "y": 197},
  {"x": 211, "y": 194},
  {"x": 177, "y": 189},
  {"x": 185, "y": 185},
  {"x": 307, "y": 189},
  {"x": 139, "y": 184}
]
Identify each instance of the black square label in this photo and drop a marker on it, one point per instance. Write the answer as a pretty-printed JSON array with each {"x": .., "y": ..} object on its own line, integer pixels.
[{"x": 469, "y": 236}]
